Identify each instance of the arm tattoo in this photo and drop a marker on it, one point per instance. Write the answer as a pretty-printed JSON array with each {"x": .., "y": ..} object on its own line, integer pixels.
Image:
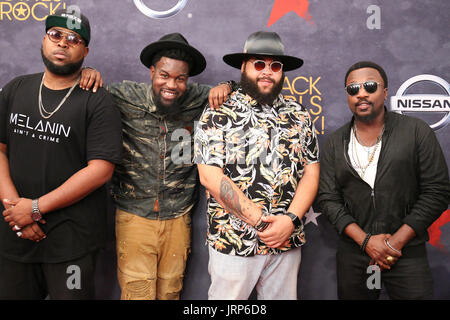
[{"x": 230, "y": 198}]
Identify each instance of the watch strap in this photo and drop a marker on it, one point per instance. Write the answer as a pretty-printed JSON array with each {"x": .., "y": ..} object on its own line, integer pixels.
[
  {"x": 295, "y": 219},
  {"x": 35, "y": 212}
]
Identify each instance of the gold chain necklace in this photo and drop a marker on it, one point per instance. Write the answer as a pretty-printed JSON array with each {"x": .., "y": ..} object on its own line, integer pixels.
[
  {"x": 46, "y": 114},
  {"x": 371, "y": 155}
]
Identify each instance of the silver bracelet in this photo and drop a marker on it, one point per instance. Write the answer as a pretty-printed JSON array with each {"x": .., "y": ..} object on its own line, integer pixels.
[{"x": 386, "y": 241}]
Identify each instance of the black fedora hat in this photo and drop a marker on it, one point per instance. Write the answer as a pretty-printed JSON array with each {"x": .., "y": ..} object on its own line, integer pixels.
[
  {"x": 263, "y": 43},
  {"x": 174, "y": 41}
]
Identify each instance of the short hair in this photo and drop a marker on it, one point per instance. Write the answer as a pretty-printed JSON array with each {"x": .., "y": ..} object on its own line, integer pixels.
[
  {"x": 177, "y": 54},
  {"x": 367, "y": 64}
]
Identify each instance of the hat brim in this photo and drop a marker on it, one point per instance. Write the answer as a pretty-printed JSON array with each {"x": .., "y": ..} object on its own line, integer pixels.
[
  {"x": 289, "y": 63},
  {"x": 199, "y": 61}
]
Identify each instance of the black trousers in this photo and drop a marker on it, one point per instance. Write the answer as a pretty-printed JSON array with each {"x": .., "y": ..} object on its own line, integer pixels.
[
  {"x": 408, "y": 279},
  {"x": 71, "y": 280}
]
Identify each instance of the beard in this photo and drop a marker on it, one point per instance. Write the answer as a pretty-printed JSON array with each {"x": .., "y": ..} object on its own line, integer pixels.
[
  {"x": 250, "y": 87},
  {"x": 64, "y": 70},
  {"x": 369, "y": 117},
  {"x": 164, "y": 109}
]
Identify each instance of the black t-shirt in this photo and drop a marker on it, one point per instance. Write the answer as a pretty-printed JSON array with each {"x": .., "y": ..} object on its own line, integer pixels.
[{"x": 44, "y": 153}]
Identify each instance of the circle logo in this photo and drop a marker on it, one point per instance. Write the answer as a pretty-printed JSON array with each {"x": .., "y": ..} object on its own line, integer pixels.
[
  {"x": 403, "y": 102},
  {"x": 160, "y": 14}
]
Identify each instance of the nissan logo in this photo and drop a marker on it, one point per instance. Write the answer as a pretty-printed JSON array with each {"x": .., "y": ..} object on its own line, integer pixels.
[{"x": 403, "y": 102}]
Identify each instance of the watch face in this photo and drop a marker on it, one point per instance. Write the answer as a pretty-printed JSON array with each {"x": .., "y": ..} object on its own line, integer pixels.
[{"x": 36, "y": 216}]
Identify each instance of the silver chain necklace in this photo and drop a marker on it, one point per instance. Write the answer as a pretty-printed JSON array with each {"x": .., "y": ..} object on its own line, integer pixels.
[
  {"x": 371, "y": 155},
  {"x": 46, "y": 114}
]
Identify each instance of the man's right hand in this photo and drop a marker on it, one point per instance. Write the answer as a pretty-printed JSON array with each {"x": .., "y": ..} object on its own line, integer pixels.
[
  {"x": 32, "y": 232},
  {"x": 219, "y": 95},
  {"x": 89, "y": 77}
]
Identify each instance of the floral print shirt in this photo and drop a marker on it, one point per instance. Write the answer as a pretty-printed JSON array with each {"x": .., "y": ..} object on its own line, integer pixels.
[{"x": 263, "y": 149}]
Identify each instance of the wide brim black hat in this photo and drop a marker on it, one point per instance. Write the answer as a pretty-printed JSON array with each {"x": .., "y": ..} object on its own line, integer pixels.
[
  {"x": 174, "y": 41},
  {"x": 267, "y": 44}
]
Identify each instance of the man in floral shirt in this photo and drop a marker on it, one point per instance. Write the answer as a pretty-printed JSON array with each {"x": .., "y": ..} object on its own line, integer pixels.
[{"x": 258, "y": 159}]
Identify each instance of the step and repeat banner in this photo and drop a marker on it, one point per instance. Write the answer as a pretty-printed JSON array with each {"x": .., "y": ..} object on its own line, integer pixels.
[{"x": 408, "y": 38}]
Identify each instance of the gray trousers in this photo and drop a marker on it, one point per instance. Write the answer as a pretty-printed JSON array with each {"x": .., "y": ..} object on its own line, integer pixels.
[{"x": 235, "y": 277}]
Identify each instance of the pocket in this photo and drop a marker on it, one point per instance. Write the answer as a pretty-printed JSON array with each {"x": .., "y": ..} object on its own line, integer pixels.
[
  {"x": 407, "y": 210},
  {"x": 134, "y": 119},
  {"x": 130, "y": 112},
  {"x": 123, "y": 217},
  {"x": 187, "y": 219},
  {"x": 185, "y": 233}
]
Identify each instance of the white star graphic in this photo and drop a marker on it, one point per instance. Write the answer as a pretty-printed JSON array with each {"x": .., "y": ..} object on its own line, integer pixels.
[{"x": 311, "y": 216}]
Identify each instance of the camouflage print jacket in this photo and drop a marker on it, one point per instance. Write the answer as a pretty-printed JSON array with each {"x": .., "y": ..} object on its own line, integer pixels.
[{"x": 157, "y": 178}]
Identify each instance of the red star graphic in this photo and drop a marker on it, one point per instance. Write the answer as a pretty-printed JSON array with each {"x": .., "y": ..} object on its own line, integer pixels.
[
  {"x": 282, "y": 7},
  {"x": 434, "y": 231}
]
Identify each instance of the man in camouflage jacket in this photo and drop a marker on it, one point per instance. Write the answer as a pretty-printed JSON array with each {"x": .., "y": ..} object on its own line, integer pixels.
[{"x": 155, "y": 186}]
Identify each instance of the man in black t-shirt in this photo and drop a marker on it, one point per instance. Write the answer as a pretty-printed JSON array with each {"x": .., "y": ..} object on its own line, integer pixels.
[{"x": 58, "y": 147}]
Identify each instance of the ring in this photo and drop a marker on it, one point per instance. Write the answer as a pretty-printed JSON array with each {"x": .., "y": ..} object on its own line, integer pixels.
[
  {"x": 19, "y": 234},
  {"x": 16, "y": 228},
  {"x": 390, "y": 259}
]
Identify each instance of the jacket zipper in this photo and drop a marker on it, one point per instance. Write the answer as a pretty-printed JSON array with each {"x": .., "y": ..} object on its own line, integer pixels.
[
  {"x": 372, "y": 194},
  {"x": 383, "y": 146}
]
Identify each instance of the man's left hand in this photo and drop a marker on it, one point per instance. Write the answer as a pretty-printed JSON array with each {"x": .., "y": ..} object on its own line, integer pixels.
[
  {"x": 379, "y": 252},
  {"x": 19, "y": 214},
  {"x": 278, "y": 232}
]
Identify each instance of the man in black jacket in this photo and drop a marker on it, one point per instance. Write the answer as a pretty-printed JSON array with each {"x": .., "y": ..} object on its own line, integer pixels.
[{"x": 383, "y": 182}]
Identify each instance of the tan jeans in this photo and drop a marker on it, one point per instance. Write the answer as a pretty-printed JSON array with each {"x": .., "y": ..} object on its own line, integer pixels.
[{"x": 151, "y": 256}]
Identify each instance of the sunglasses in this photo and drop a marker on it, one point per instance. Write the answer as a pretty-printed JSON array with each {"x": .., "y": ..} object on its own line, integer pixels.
[
  {"x": 56, "y": 36},
  {"x": 260, "y": 65},
  {"x": 370, "y": 87}
]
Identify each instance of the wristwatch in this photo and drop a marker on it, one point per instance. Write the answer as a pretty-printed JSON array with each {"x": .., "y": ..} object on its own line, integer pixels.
[
  {"x": 35, "y": 213},
  {"x": 295, "y": 219}
]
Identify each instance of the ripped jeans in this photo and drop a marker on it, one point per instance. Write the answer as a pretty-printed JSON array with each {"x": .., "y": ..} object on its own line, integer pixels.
[{"x": 151, "y": 256}]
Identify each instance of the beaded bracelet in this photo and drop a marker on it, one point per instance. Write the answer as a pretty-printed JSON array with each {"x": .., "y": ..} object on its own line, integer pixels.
[
  {"x": 261, "y": 225},
  {"x": 366, "y": 240}
]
